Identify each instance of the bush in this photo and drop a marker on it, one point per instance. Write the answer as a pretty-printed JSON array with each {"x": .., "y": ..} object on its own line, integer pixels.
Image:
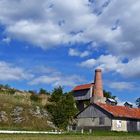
[{"x": 34, "y": 97}]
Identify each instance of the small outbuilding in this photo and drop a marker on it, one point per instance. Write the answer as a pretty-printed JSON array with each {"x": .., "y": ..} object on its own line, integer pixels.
[
  {"x": 108, "y": 117},
  {"x": 103, "y": 113}
]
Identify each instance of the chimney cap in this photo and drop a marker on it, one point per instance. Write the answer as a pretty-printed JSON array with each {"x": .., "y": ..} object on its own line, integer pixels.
[{"x": 98, "y": 70}]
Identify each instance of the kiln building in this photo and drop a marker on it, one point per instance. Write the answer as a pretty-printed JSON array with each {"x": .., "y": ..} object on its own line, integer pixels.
[{"x": 103, "y": 113}]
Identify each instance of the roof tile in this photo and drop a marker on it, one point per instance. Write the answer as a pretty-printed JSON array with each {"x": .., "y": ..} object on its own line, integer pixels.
[
  {"x": 81, "y": 87},
  {"x": 121, "y": 111}
]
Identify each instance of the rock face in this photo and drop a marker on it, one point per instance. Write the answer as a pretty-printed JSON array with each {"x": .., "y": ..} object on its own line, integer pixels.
[
  {"x": 16, "y": 115},
  {"x": 38, "y": 112},
  {"x": 18, "y": 111},
  {"x": 3, "y": 116}
]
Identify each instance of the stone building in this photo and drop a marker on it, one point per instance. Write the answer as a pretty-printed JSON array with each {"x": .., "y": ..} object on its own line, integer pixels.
[{"x": 102, "y": 113}]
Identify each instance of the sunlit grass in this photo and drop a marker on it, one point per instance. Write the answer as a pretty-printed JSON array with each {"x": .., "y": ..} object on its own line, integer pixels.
[{"x": 65, "y": 137}]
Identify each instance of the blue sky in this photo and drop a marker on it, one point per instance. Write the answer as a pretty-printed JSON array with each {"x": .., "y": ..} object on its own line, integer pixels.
[{"x": 48, "y": 43}]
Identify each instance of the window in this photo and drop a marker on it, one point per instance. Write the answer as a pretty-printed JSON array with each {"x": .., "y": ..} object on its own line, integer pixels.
[
  {"x": 119, "y": 123},
  {"x": 101, "y": 121}
]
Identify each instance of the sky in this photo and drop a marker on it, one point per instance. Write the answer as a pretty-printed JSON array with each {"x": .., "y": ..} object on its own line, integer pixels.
[{"x": 47, "y": 43}]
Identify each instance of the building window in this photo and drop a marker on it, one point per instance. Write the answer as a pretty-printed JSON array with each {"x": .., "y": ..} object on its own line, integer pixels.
[
  {"x": 119, "y": 123},
  {"x": 101, "y": 121}
]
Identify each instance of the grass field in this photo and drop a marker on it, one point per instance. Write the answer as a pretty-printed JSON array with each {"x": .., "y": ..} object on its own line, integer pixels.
[{"x": 102, "y": 136}]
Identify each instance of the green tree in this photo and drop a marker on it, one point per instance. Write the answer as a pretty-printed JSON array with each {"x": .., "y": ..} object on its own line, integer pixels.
[
  {"x": 43, "y": 91},
  {"x": 108, "y": 94},
  {"x": 57, "y": 94},
  {"x": 62, "y": 108},
  {"x": 34, "y": 96},
  {"x": 138, "y": 102}
]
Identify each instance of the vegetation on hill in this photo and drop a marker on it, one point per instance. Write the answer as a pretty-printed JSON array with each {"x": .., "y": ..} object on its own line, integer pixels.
[
  {"x": 22, "y": 110},
  {"x": 31, "y": 110},
  {"x": 62, "y": 108}
]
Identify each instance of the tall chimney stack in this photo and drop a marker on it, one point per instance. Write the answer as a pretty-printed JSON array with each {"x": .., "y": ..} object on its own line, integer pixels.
[{"x": 98, "y": 88}]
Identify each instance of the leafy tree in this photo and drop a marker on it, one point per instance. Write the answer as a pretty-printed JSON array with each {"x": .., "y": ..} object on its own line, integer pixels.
[
  {"x": 34, "y": 97},
  {"x": 62, "y": 108},
  {"x": 138, "y": 102},
  {"x": 12, "y": 91},
  {"x": 57, "y": 95},
  {"x": 108, "y": 94},
  {"x": 43, "y": 91}
]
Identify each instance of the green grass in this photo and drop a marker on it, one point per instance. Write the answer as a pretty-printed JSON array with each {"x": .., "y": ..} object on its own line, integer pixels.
[
  {"x": 65, "y": 137},
  {"x": 107, "y": 133},
  {"x": 9, "y": 102}
]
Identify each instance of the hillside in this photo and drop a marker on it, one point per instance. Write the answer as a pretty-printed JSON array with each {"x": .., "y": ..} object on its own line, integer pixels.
[{"x": 18, "y": 111}]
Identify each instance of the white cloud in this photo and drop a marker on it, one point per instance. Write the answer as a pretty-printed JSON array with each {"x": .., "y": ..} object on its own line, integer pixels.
[
  {"x": 53, "y": 22},
  {"x": 56, "y": 78},
  {"x": 74, "y": 52},
  {"x": 121, "y": 85},
  {"x": 88, "y": 63},
  {"x": 107, "y": 62},
  {"x": 10, "y": 72},
  {"x": 113, "y": 63},
  {"x": 6, "y": 40},
  {"x": 37, "y": 75}
]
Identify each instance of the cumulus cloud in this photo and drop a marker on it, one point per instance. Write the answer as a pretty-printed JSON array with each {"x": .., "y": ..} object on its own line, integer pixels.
[
  {"x": 51, "y": 23},
  {"x": 37, "y": 75},
  {"x": 107, "y": 62},
  {"x": 57, "y": 80},
  {"x": 113, "y": 63},
  {"x": 122, "y": 85},
  {"x": 10, "y": 72},
  {"x": 74, "y": 52}
]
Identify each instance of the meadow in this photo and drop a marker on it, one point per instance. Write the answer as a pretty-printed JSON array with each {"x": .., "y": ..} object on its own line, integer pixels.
[{"x": 95, "y": 136}]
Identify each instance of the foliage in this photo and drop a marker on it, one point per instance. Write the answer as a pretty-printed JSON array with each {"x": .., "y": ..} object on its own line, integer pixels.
[
  {"x": 62, "y": 108},
  {"x": 34, "y": 97},
  {"x": 11, "y": 91},
  {"x": 4, "y": 86},
  {"x": 138, "y": 102},
  {"x": 43, "y": 91},
  {"x": 57, "y": 94},
  {"x": 6, "y": 89},
  {"x": 108, "y": 94}
]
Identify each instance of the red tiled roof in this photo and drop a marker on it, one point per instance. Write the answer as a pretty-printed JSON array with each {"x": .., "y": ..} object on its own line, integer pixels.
[
  {"x": 121, "y": 111},
  {"x": 81, "y": 87}
]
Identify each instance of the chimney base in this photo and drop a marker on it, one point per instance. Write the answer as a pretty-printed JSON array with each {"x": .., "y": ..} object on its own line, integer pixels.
[{"x": 98, "y": 99}]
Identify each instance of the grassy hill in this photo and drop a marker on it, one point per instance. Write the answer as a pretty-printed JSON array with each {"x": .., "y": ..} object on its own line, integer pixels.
[{"x": 18, "y": 111}]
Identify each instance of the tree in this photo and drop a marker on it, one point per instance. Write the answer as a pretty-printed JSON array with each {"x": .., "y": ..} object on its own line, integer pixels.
[
  {"x": 108, "y": 94},
  {"x": 34, "y": 97},
  {"x": 62, "y": 108},
  {"x": 43, "y": 91},
  {"x": 138, "y": 102},
  {"x": 57, "y": 94}
]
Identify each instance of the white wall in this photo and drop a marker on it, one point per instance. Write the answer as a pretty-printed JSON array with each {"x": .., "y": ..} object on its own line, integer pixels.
[{"x": 119, "y": 125}]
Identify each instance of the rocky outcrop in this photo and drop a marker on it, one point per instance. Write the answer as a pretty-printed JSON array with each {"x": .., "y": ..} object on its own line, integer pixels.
[
  {"x": 16, "y": 114},
  {"x": 38, "y": 112},
  {"x": 3, "y": 116}
]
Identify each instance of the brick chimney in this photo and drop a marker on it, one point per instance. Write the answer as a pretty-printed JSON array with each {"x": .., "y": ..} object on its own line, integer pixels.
[{"x": 98, "y": 88}]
